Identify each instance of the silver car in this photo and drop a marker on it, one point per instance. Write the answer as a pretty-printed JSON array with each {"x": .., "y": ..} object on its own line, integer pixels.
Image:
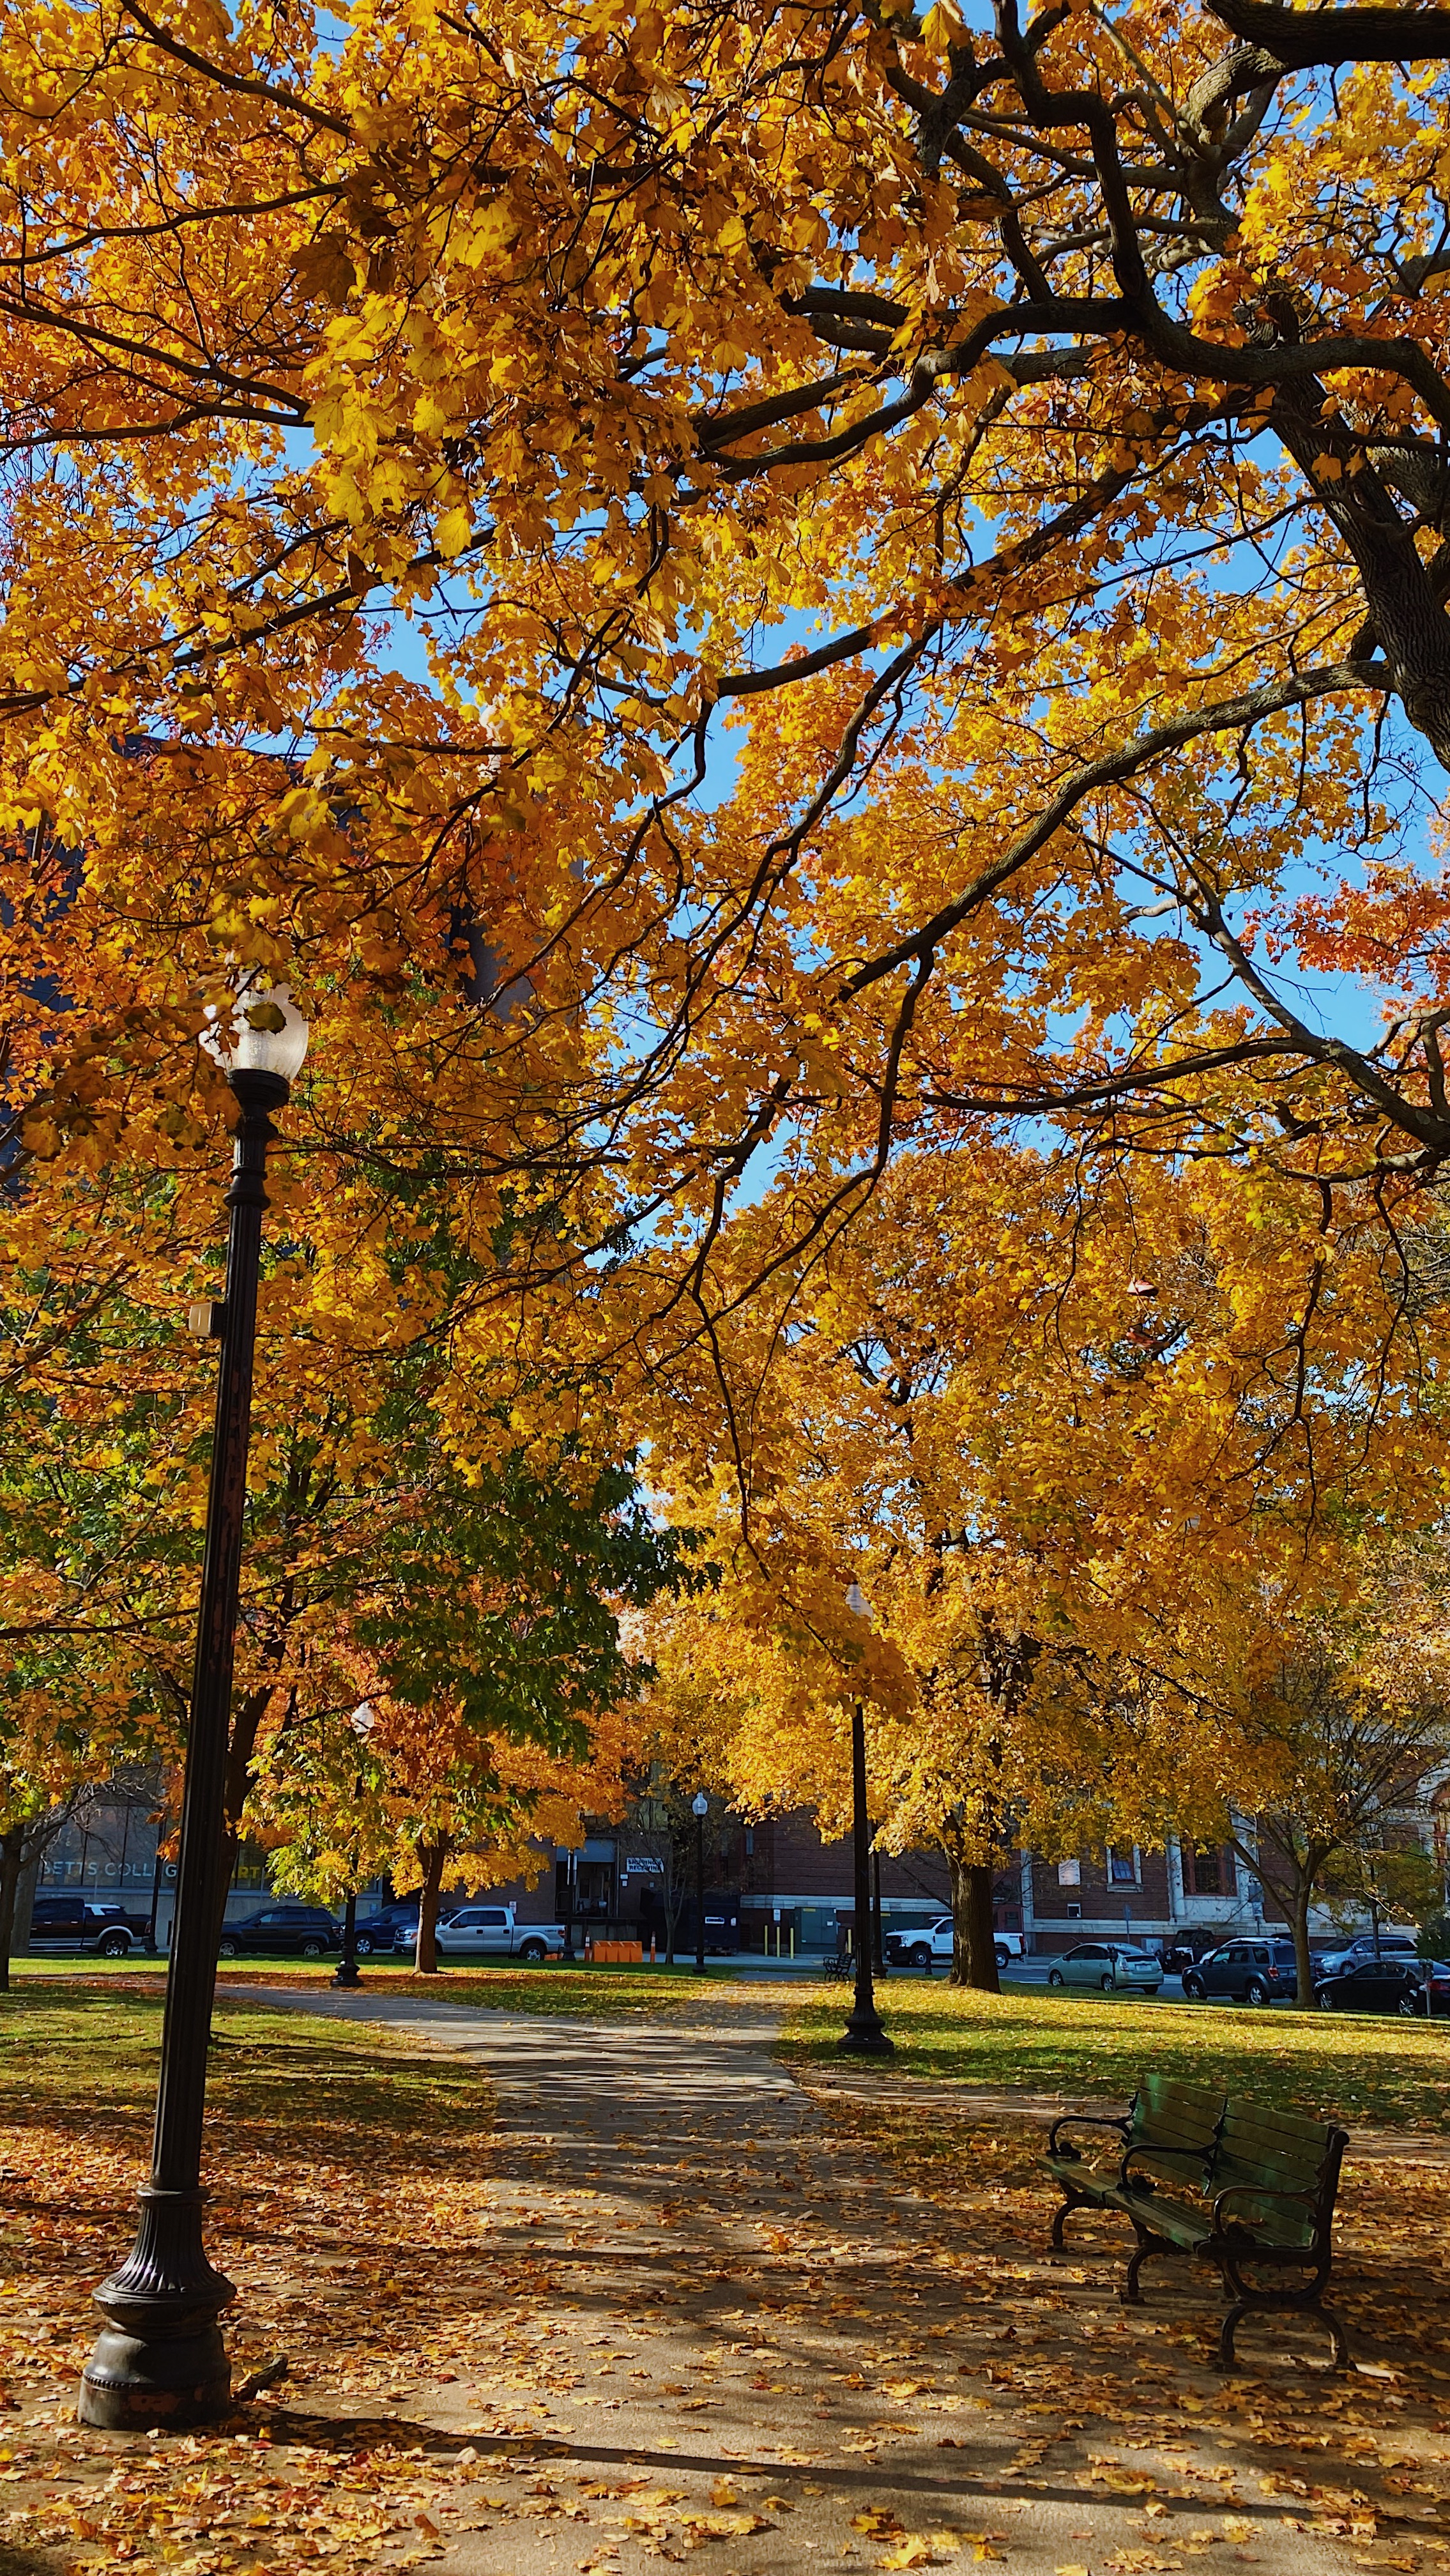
[{"x": 1112, "y": 1967}]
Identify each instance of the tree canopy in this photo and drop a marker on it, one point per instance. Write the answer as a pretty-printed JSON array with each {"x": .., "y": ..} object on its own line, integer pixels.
[{"x": 1032, "y": 433}]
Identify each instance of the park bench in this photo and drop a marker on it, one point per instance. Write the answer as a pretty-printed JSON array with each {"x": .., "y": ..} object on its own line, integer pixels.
[{"x": 1249, "y": 2190}]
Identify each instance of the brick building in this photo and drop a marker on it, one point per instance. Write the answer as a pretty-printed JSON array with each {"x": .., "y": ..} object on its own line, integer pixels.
[
  {"x": 789, "y": 1884},
  {"x": 787, "y": 1888}
]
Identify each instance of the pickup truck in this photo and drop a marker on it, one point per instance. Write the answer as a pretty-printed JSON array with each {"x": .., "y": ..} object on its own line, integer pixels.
[
  {"x": 922, "y": 1949},
  {"x": 68, "y": 1924},
  {"x": 493, "y": 1932}
]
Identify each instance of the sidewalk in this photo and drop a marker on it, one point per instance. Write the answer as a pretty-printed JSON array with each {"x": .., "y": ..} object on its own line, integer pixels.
[{"x": 745, "y": 2331}]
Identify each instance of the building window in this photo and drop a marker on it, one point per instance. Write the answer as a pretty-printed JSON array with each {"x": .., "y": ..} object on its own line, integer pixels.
[
  {"x": 1204, "y": 1869},
  {"x": 1069, "y": 1873},
  {"x": 1122, "y": 1865}
]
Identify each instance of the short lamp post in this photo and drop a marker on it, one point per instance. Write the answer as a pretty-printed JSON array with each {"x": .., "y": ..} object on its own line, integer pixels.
[
  {"x": 699, "y": 1809},
  {"x": 159, "y": 2359},
  {"x": 864, "y": 2035},
  {"x": 362, "y": 1722}
]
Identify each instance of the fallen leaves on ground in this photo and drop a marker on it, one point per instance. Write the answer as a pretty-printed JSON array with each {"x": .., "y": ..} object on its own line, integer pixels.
[{"x": 419, "y": 2266}]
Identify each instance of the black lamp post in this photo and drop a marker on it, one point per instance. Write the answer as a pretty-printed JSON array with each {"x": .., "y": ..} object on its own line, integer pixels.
[
  {"x": 863, "y": 2035},
  {"x": 699, "y": 1809},
  {"x": 160, "y": 2359},
  {"x": 362, "y": 1722},
  {"x": 570, "y": 1908}
]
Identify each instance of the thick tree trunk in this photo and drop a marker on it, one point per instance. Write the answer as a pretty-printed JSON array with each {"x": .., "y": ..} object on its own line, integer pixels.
[
  {"x": 974, "y": 1948},
  {"x": 1292, "y": 1889},
  {"x": 961, "y": 1919},
  {"x": 12, "y": 1859},
  {"x": 425, "y": 1957},
  {"x": 981, "y": 1931},
  {"x": 247, "y": 1717},
  {"x": 1299, "y": 1925},
  {"x": 36, "y": 1844}
]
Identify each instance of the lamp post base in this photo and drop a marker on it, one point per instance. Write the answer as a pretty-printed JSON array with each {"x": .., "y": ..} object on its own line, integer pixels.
[
  {"x": 345, "y": 1973},
  {"x": 159, "y": 2360},
  {"x": 865, "y": 2034}
]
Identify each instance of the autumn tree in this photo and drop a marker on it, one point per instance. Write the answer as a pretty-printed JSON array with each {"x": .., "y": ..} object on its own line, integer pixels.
[
  {"x": 434, "y": 1802},
  {"x": 443, "y": 1495},
  {"x": 1052, "y": 1439},
  {"x": 1324, "y": 1731},
  {"x": 1032, "y": 434}
]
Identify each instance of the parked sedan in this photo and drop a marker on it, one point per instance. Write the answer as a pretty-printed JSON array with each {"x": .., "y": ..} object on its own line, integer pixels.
[
  {"x": 287, "y": 1931},
  {"x": 1437, "y": 1986},
  {"x": 1374, "y": 1985},
  {"x": 1244, "y": 1972},
  {"x": 1111, "y": 1966}
]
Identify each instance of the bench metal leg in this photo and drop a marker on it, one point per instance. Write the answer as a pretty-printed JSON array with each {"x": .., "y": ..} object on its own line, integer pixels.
[
  {"x": 1148, "y": 2243},
  {"x": 1075, "y": 2200},
  {"x": 1295, "y": 2303},
  {"x": 1130, "y": 2294}
]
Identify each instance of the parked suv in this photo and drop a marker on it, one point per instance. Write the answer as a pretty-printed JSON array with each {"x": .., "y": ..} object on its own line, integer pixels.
[
  {"x": 281, "y": 1930},
  {"x": 67, "y": 1924},
  {"x": 1244, "y": 1972}
]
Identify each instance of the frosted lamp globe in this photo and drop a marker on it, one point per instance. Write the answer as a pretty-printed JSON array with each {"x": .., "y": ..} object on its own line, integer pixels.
[{"x": 265, "y": 1033}]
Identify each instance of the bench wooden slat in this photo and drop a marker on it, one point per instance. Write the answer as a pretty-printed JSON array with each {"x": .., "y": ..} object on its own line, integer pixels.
[
  {"x": 1283, "y": 2132},
  {"x": 1185, "y": 2147}
]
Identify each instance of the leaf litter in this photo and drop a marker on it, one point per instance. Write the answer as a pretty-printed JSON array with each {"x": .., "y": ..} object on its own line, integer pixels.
[{"x": 374, "y": 2226}]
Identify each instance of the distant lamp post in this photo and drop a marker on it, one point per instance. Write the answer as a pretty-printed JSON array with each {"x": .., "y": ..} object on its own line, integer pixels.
[
  {"x": 570, "y": 1905},
  {"x": 699, "y": 1809},
  {"x": 362, "y": 1722},
  {"x": 160, "y": 2359},
  {"x": 864, "y": 2035}
]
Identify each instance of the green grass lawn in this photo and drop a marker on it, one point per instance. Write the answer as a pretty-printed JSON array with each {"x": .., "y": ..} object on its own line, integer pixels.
[
  {"x": 1369, "y": 2068},
  {"x": 1379, "y": 2072},
  {"x": 84, "y": 2054},
  {"x": 597, "y": 1993}
]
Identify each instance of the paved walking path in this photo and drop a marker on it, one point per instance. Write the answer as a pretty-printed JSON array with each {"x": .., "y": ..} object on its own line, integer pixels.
[{"x": 746, "y": 2318}]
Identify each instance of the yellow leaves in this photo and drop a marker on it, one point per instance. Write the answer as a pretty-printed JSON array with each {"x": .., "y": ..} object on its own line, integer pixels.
[
  {"x": 304, "y": 813},
  {"x": 454, "y": 532},
  {"x": 493, "y": 229},
  {"x": 942, "y": 27},
  {"x": 434, "y": 412}
]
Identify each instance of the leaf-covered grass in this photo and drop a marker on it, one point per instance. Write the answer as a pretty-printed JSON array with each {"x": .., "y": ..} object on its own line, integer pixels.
[{"x": 1378, "y": 2070}]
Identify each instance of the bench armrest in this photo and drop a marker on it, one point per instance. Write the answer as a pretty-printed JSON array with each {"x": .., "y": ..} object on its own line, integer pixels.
[
  {"x": 1145, "y": 2147},
  {"x": 1080, "y": 2120},
  {"x": 1263, "y": 2191}
]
